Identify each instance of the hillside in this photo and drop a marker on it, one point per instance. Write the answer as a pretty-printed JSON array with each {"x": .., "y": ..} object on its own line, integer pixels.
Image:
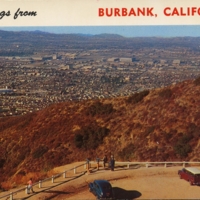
[{"x": 157, "y": 125}]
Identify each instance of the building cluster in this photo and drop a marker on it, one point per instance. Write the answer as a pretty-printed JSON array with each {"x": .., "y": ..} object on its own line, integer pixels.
[{"x": 32, "y": 83}]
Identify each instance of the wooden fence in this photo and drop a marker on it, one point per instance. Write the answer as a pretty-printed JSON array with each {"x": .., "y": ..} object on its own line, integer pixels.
[{"x": 89, "y": 164}]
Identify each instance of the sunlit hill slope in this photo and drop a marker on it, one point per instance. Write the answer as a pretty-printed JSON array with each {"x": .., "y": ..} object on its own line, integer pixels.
[{"x": 156, "y": 125}]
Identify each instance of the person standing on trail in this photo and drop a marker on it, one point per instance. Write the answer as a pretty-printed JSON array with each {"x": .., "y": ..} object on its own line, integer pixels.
[
  {"x": 30, "y": 186},
  {"x": 112, "y": 163},
  {"x": 105, "y": 160}
]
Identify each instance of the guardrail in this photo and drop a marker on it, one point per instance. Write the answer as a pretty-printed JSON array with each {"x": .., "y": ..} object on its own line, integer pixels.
[
  {"x": 11, "y": 194},
  {"x": 148, "y": 164},
  {"x": 87, "y": 165}
]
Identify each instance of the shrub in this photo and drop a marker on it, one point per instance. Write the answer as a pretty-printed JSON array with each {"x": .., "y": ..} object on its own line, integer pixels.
[
  {"x": 197, "y": 81},
  {"x": 99, "y": 108},
  {"x": 127, "y": 153},
  {"x": 40, "y": 151},
  {"x": 6, "y": 185},
  {"x": 137, "y": 97},
  {"x": 148, "y": 131},
  {"x": 90, "y": 137},
  {"x": 165, "y": 93},
  {"x": 2, "y": 161},
  {"x": 48, "y": 167},
  {"x": 194, "y": 130},
  {"x": 78, "y": 139},
  {"x": 182, "y": 148}
]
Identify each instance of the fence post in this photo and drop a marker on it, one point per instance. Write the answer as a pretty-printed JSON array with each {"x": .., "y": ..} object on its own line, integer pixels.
[
  {"x": 52, "y": 179},
  {"x": 98, "y": 160},
  {"x": 11, "y": 196},
  {"x": 64, "y": 174},
  {"x": 147, "y": 165},
  {"x": 40, "y": 184},
  {"x": 75, "y": 170},
  {"x": 88, "y": 165},
  {"x": 183, "y": 163},
  {"x": 128, "y": 166},
  {"x": 165, "y": 164},
  {"x": 84, "y": 166},
  {"x": 26, "y": 190}
]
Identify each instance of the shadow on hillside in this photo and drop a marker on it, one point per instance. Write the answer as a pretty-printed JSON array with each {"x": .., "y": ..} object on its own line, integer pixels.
[{"x": 120, "y": 193}]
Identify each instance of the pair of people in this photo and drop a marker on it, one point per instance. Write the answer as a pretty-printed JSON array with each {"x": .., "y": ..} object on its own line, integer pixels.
[{"x": 112, "y": 162}]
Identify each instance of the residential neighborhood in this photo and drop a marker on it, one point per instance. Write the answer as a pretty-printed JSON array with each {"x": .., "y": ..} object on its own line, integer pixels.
[{"x": 32, "y": 81}]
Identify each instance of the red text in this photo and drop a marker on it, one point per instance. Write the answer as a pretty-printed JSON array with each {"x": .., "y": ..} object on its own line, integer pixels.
[
  {"x": 189, "y": 11},
  {"x": 124, "y": 12}
]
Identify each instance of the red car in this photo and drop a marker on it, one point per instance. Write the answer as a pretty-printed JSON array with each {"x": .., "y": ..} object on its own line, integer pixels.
[{"x": 190, "y": 174}]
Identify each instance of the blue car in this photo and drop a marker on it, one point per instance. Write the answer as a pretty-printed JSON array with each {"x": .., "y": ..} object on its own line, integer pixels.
[{"x": 102, "y": 189}]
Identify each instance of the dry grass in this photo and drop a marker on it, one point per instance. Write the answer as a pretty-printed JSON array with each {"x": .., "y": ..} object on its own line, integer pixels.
[
  {"x": 19, "y": 180},
  {"x": 43, "y": 140}
]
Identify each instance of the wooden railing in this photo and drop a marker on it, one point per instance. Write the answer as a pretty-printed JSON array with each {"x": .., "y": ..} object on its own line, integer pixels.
[
  {"x": 165, "y": 164},
  {"x": 89, "y": 164},
  {"x": 11, "y": 194}
]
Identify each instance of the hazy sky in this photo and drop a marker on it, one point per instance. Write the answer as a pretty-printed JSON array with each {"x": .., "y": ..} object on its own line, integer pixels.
[{"x": 127, "y": 31}]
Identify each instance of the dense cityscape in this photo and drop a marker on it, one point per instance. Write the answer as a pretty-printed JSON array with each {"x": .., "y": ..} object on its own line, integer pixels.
[{"x": 44, "y": 75}]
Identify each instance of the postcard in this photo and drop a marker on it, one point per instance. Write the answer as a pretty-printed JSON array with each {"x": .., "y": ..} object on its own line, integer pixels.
[{"x": 99, "y": 98}]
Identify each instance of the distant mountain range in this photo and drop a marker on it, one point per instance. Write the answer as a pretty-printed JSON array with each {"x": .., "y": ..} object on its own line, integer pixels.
[
  {"x": 157, "y": 125},
  {"x": 35, "y": 41},
  {"x": 104, "y": 35}
]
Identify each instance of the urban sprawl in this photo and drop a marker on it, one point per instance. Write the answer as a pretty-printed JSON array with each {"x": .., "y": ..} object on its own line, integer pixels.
[{"x": 31, "y": 83}]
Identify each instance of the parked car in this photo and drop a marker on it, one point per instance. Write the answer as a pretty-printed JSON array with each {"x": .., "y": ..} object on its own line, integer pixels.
[
  {"x": 102, "y": 189},
  {"x": 190, "y": 174}
]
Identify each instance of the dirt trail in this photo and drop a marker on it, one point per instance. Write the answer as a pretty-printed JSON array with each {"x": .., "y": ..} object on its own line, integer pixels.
[
  {"x": 135, "y": 183},
  {"x": 157, "y": 182}
]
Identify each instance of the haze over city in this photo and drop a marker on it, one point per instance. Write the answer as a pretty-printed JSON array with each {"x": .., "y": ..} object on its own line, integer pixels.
[{"x": 126, "y": 31}]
